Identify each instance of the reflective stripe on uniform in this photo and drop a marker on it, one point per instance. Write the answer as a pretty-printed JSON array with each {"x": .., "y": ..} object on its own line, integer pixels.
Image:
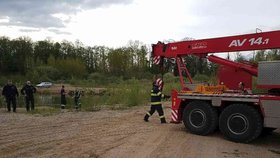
[
  {"x": 148, "y": 113},
  {"x": 161, "y": 116},
  {"x": 156, "y": 94},
  {"x": 155, "y": 103}
]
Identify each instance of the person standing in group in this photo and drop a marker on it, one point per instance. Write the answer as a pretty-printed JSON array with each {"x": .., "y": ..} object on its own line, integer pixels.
[
  {"x": 156, "y": 96},
  {"x": 77, "y": 97},
  {"x": 63, "y": 97},
  {"x": 10, "y": 92},
  {"x": 28, "y": 90}
]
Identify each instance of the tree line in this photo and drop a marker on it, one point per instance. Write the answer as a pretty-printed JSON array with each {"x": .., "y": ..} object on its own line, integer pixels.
[{"x": 48, "y": 60}]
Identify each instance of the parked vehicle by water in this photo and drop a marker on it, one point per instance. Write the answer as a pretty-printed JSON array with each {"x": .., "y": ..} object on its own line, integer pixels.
[{"x": 44, "y": 85}]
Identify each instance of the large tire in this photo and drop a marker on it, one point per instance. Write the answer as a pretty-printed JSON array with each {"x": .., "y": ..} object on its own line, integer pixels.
[
  {"x": 240, "y": 123},
  {"x": 200, "y": 118}
]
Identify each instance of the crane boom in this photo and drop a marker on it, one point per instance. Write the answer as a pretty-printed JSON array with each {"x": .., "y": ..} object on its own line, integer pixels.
[
  {"x": 255, "y": 41},
  {"x": 202, "y": 48},
  {"x": 252, "y": 70}
]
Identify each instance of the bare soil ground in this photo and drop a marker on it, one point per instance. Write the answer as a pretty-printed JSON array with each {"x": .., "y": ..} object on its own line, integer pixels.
[{"x": 122, "y": 133}]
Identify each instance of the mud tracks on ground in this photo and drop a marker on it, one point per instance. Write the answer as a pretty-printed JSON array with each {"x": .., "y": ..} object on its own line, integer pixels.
[{"x": 117, "y": 134}]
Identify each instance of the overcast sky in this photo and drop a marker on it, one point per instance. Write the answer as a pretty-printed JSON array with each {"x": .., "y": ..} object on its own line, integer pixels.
[{"x": 114, "y": 22}]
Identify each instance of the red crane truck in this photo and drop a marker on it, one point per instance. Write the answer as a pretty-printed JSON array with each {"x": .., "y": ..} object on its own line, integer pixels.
[{"x": 241, "y": 117}]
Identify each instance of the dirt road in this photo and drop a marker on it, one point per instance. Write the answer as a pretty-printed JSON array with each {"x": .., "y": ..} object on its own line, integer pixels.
[{"x": 117, "y": 134}]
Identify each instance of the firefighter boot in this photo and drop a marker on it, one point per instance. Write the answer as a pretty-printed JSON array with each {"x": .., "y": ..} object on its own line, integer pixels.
[
  {"x": 146, "y": 118},
  {"x": 162, "y": 120}
]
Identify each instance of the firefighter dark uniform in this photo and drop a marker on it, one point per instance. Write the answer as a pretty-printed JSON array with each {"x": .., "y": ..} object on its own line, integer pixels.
[
  {"x": 28, "y": 90},
  {"x": 63, "y": 97},
  {"x": 77, "y": 96},
  {"x": 10, "y": 92},
  {"x": 156, "y": 96}
]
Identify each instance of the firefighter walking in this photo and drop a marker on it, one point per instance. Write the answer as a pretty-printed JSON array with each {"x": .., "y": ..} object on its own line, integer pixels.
[{"x": 156, "y": 96}]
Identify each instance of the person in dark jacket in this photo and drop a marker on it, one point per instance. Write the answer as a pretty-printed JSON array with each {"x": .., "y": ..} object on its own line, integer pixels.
[
  {"x": 28, "y": 90},
  {"x": 10, "y": 92},
  {"x": 156, "y": 96},
  {"x": 63, "y": 97}
]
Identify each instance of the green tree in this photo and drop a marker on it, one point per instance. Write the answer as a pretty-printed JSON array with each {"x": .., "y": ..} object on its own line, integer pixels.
[
  {"x": 5, "y": 55},
  {"x": 260, "y": 55},
  {"x": 42, "y": 51},
  {"x": 273, "y": 54},
  {"x": 70, "y": 67},
  {"x": 118, "y": 62},
  {"x": 22, "y": 53}
]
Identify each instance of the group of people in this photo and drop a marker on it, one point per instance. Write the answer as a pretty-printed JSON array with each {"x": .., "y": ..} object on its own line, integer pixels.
[
  {"x": 77, "y": 96},
  {"x": 10, "y": 92}
]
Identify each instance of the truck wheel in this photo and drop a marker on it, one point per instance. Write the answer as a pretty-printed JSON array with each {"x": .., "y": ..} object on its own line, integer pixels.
[
  {"x": 200, "y": 118},
  {"x": 240, "y": 123}
]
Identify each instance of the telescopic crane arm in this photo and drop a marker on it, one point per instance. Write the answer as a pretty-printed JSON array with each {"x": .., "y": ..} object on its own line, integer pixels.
[{"x": 201, "y": 48}]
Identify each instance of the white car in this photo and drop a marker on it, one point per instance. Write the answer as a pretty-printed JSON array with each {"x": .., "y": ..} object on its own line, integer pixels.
[{"x": 44, "y": 85}]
